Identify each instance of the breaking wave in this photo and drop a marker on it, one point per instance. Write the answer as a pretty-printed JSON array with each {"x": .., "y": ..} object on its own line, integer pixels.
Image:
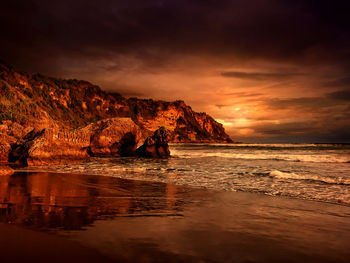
[
  {"x": 309, "y": 177},
  {"x": 325, "y": 158},
  {"x": 298, "y": 172}
]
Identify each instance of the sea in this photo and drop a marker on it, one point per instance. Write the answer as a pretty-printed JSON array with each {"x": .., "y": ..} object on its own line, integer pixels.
[{"x": 319, "y": 172}]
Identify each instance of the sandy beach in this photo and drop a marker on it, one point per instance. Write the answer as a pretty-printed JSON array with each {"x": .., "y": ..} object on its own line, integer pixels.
[
  {"x": 23, "y": 245},
  {"x": 66, "y": 217}
]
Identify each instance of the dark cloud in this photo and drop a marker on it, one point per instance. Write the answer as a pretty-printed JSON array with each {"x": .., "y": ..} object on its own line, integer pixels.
[
  {"x": 334, "y": 99},
  {"x": 340, "y": 82},
  {"x": 343, "y": 95},
  {"x": 221, "y": 105},
  {"x": 294, "y": 103},
  {"x": 290, "y": 128},
  {"x": 154, "y": 31},
  {"x": 259, "y": 76},
  {"x": 305, "y": 131},
  {"x": 243, "y": 94}
]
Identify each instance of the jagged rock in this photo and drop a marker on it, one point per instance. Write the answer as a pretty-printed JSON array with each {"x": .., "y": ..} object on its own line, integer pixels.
[
  {"x": 6, "y": 170},
  {"x": 20, "y": 150},
  {"x": 4, "y": 152},
  {"x": 155, "y": 146},
  {"x": 106, "y": 138},
  {"x": 5, "y": 147},
  {"x": 50, "y": 146},
  {"x": 182, "y": 123},
  {"x": 113, "y": 137}
]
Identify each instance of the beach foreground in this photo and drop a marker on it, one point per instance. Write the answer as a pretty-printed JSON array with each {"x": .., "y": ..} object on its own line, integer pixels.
[{"x": 66, "y": 217}]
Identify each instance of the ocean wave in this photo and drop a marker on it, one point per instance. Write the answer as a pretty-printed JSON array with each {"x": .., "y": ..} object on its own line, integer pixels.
[
  {"x": 327, "y": 158},
  {"x": 315, "y": 158},
  {"x": 295, "y": 181},
  {"x": 258, "y": 146},
  {"x": 309, "y": 177}
]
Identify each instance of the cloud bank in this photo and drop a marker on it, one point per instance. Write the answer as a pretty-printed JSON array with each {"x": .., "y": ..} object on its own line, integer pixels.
[{"x": 269, "y": 70}]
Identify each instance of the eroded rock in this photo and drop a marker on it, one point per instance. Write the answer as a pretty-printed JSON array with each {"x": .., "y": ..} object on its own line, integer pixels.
[
  {"x": 113, "y": 137},
  {"x": 106, "y": 138},
  {"x": 5, "y": 147},
  {"x": 50, "y": 146},
  {"x": 155, "y": 146}
]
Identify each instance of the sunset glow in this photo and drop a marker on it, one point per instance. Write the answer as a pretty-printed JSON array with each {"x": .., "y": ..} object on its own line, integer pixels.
[{"x": 282, "y": 71}]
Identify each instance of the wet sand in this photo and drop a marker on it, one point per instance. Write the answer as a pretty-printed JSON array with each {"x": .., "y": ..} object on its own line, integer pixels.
[
  {"x": 69, "y": 218},
  {"x": 22, "y": 245}
]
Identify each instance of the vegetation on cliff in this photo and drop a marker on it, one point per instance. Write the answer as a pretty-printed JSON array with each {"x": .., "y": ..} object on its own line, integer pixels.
[{"x": 37, "y": 101}]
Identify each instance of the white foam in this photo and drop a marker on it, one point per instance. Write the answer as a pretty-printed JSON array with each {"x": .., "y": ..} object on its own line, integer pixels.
[
  {"x": 294, "y": 145},
  {"x": 319, "y": 158},
  {"x": 294, "y": 176},
  {"x": 264, "y": 155}
]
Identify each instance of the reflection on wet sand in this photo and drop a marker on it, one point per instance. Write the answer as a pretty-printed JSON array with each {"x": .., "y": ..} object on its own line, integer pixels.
[
  {"x": 47, "y": 200},
  {"x": 134, "y": 221}
]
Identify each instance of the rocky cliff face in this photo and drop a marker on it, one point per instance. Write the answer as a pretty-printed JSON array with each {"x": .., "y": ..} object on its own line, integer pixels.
[
  {"x": 183, "y": 124},
  {"x": 30, "y": 101}
]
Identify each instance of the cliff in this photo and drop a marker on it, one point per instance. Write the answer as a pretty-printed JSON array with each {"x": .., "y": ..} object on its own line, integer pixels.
[
  {"x": 183, "y": 124},
  {"x": 30, "y": 101}
]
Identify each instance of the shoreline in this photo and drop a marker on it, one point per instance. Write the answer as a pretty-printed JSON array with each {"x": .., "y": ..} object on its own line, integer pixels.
[
  {"x": 137, "y": 221},
  {"x": 39, "y": 170}
]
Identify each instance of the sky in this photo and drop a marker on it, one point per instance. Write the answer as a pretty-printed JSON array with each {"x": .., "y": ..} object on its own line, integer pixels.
[{"x": 268, "y": 70}]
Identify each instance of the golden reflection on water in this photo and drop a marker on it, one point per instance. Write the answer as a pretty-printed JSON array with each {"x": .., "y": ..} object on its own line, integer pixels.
[{"x": 49, "y": 200}]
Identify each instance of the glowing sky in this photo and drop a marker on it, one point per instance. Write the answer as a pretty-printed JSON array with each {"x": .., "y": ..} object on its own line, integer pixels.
[{"x": 269, "y": 70}]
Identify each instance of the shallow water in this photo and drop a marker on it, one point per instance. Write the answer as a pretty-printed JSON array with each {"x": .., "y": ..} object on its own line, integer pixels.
[
  {"x": 137, "y": 221},
  {"x": 305, "y": 171}
]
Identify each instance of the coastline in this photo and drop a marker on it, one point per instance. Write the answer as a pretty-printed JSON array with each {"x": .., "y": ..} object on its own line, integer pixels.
[{"x": 128, "y": 221}]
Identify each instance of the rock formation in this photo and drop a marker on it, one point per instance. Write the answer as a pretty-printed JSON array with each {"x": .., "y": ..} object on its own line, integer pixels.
[
  {"x": 113, "y": 137},
  {"x": 184, "y": 125},
  {"x": 5, "y": 147},
  {"x": 49, "y": 146},
  {"x": 155, "y": 146},
  {"x": 106, "y": 138}
]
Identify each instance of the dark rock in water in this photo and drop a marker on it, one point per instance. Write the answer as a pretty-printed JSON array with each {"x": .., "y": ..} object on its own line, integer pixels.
[{"x": 155, "y": 146}]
